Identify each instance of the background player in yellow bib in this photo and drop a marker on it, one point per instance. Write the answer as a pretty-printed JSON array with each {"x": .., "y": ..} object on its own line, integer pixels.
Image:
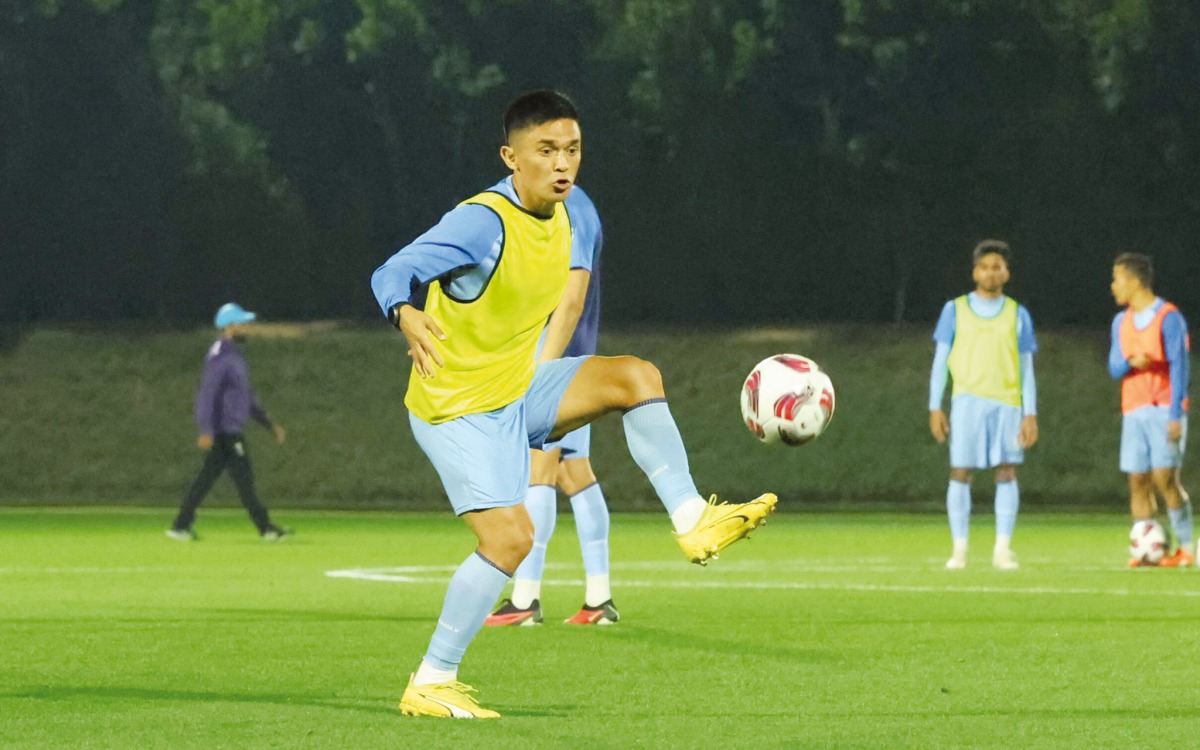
[
  {"x": 491, "y": 272},
  {"x": 985, "y": 343}
]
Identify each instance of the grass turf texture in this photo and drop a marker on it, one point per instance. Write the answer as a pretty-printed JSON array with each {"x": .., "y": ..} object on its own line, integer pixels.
[
  {"x": 105, "y": 417},
  {"x": 824, "y": 630}
]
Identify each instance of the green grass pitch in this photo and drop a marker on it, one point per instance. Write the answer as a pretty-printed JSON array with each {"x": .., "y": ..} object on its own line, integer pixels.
[{"x": 823, "y": 630}]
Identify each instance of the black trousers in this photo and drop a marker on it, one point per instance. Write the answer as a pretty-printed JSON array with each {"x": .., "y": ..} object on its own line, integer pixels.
[{"x": 227, "y": 454}]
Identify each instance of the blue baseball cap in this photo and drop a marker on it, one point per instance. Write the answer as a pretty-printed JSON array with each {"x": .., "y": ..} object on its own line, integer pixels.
[{"x": 231, "y": 313}]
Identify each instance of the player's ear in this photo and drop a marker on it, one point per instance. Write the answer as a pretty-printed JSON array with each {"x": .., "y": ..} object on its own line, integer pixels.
[{"x": 509, "y": 157}]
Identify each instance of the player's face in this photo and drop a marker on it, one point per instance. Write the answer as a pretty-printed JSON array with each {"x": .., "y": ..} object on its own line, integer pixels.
[
  {"x": 544, "y": 160},
  {"x": 991, "y": 273},
  {"x": 1124, "y": 284},
  {"x": 237, "y": 331}
]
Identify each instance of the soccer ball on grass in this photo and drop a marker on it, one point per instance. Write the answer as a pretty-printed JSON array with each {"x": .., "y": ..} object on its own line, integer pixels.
[{"x": 1147, "y": 542}]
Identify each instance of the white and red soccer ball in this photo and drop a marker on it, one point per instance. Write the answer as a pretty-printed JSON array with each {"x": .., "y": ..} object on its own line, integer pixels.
[
  {"x": 788, "y": 399},
  {"x": 1147, "y": 542}
]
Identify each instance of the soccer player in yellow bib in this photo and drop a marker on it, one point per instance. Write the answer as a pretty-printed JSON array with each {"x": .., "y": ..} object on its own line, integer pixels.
[
  {"x": 491, "y": 273},
  {"x": 985, "y": 343}
]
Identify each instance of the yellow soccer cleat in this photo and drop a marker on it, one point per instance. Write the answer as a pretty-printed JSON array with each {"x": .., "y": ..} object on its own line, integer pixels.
[
  {"x": 722, "y": 525},
  {"x": 448, "y": 700}
]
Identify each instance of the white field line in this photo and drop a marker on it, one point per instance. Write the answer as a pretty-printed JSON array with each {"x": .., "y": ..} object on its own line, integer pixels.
[
  {"x": 420, "y": 574},
  {"x": 878, "y": 565}
]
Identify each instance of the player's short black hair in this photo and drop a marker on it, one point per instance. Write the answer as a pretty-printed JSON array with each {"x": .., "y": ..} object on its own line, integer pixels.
[
  {"x": 987, "y": 247},
  {"x": 537, "y": 107},
  {"x": 1139, "y": 265}
]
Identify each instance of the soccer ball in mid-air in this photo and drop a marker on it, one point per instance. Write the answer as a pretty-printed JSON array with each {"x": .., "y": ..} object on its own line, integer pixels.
[
  {"x": 1147, "y": 542},
  {"x": 788, "y": 399}
]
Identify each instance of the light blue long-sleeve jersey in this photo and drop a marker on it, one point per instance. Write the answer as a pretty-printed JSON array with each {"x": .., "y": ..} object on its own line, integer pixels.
[{"x": 463, "y": 248}]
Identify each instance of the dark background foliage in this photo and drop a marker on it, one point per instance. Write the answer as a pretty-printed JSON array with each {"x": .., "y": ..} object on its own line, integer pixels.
[{"x": 754, "y": 160}]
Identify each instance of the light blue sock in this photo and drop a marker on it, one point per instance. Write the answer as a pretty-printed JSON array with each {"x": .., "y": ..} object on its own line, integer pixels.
[
  {"x": 958, "y": 508},
  {"x": 542, "y": 503},
  {"x": 473, "y": 590},
  {"x": 657, "y": 448},
  {"x": 591, "y": 523},
  {"x": 1008, "y": 499},
  {"x": 1181, "y": 521}
]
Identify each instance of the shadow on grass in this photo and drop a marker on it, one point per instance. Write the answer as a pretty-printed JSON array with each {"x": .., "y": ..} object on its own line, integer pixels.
[
  {"x": 219, "y": 615},
  {"x": 311, "y": 615},
  {"x": 370, "y": 706},
  {"x": 67, "y": 693},
  {"x": 671, "y": 639},
  {"x": 541, "y": 712}
]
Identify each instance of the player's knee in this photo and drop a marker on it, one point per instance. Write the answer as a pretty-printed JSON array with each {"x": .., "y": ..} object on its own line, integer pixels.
[
  {"x": 520, "y": 541},
  {"x": 1006, "y": 474},
  {"x": 642, "y": 380},
  {"x": 508, "y": 551},
  {"x": 1169, "y": 492},
  {"x": 961, "y": 475},
  {"x": 506, "y": 541},
  {"x": 576, "y": 485},
  {"x": 1163, "y": 481},
  {"x": 1139, "y": 483},
  {"x": 520, "y": 546},
  {"x": 575, "y": 475}
]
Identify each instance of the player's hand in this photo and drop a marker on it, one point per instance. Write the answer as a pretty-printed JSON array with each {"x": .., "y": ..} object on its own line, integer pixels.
[
  {"x": 1174, "y": 430},
  {"x": 1139, "y": 361},
  {"x": 280, "y": 434},
  {"x": 1029, "y": 431},
  {"x": 939, "y": 425},
  {"x": 204, "y": 442},
  {"x": 420, "y": 330}
]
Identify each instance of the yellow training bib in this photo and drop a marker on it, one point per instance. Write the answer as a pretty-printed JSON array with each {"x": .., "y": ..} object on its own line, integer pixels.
[
  {"x": 984, "y": 360},
  {"x": 491, "y": 341}
]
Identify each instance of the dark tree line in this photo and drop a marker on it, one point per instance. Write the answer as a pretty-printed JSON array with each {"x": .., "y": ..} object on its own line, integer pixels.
[{"x": 754, "y": 160}]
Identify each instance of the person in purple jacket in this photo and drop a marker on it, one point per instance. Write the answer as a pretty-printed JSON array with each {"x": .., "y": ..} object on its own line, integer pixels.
[{"x": 224, "y": 403}]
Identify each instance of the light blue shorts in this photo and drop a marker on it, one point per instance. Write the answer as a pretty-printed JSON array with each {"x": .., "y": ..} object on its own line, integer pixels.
[
  {"x": 1144, "y": 444},
  {"x": 483, "y": 459},
  {"x": 575, "y": 444},
  {"x": 984, "y": 433}
]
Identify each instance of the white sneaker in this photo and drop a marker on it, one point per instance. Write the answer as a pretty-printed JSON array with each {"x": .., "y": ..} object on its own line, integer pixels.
[
  {"x": 275, "y": 534},
  {"x": 1003, "y": 559},
  {"x": 182, "y": 535},
  {"x": 957, "y": 562}
]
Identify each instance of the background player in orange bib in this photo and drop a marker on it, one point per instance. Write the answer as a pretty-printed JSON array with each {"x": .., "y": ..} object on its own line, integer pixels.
[{"x": 1149, "y": 355}]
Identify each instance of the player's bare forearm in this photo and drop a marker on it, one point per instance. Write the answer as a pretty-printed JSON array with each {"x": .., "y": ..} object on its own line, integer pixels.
[
  {"x": 939, "y": 425},
  {"x": 566, "y": 316},
  {"x": 558, "y": 333},
  {"x": 1029, "y": 431},
  {"x": 1174, "y": 430}
]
